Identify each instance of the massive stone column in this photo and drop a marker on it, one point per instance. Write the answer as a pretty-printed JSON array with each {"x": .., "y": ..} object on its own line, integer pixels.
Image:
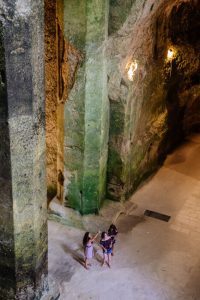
[
  {"x": 7, "y": 256},
  {"x": 23, "y": 220},
  {"x": 87, "y": 110}
]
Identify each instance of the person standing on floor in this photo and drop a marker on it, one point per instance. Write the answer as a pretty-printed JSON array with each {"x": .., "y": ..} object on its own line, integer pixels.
[
  {"x": 112, "y": 232},
  {"x": 106, "y": 245},
  {"x": 88, "y": 241}
]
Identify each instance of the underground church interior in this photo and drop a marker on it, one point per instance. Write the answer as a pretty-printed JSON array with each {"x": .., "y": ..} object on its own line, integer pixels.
[{"x": 99, "y": 124}]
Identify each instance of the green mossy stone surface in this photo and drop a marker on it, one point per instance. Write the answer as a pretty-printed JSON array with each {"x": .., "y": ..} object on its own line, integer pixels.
[{"x": 86, "y": 111}]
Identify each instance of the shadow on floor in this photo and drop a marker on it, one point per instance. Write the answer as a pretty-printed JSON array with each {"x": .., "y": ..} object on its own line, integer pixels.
[
  {"x": 79, "y": 257},
  {"x": 75, "y": 254},
  {"x": 127, "y": 223}
]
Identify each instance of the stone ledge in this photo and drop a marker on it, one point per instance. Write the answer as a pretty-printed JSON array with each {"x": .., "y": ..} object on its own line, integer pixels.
[{"x": 108, "y": 214}]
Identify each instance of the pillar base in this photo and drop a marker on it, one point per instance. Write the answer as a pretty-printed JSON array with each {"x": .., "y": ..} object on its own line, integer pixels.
[{"x": 52, "y": 293}]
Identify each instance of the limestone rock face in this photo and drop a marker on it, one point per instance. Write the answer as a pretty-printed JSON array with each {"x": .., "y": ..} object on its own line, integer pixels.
[
  {"x": 151, "y": 58},
  {"x": 23, "y": 222},
  {"x": 118, "y": 12},
  {"x": 51, "y": 89},
  {"x": 153, "y": 112},
  {"x": 61, "y": 62}
]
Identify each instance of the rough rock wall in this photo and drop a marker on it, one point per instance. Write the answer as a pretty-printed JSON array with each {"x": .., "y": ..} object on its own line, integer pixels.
[
  {"x": 152, "y": 113},
  {"x": 51, "y": 82},
  {"x": 61, "y": 61},
  {"x": 118, "y": 12},
  {"x": 148, "y": 115},
  {"x": 62, "y": 89}
]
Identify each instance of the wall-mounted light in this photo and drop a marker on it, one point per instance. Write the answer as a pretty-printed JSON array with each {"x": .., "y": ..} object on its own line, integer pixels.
[
  {"x": 131, "y": 69},
  {"x": 170, "y": 54}
]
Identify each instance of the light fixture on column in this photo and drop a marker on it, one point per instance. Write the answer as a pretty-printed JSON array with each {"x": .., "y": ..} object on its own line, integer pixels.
[
  {"x": 131, "y": 69},
  {"x": 170, "y": 54}
]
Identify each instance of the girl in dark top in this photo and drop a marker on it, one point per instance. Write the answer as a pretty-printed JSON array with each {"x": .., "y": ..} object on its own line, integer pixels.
[
  {"x": 106, "y": 245},
  {"x": 112, "y": 232}
]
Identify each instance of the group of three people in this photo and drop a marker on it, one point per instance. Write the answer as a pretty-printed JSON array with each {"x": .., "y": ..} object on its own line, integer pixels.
[{"x": 107, "y": 243}]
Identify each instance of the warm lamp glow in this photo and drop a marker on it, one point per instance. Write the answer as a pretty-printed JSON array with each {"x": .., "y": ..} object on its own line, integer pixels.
[
  {"x": 131, "y": 70},
  {"x": 170, "y": 54}
]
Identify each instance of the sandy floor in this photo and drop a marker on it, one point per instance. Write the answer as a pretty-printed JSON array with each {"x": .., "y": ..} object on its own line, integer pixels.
[{"x": 154, "y": 260}]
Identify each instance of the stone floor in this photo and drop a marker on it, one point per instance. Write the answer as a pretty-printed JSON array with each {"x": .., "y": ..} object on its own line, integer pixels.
[{"x": 154, "y": 260}]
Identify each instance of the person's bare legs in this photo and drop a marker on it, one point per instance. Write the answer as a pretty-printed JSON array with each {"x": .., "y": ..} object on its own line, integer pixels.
[
  {"x": 109, "y": 260},
  {"x": 113, "y": 249},
  {"x": 89, "y": 263},
  {"x": 86, "y": 263},
  {"x": 104, "y": 259}
]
